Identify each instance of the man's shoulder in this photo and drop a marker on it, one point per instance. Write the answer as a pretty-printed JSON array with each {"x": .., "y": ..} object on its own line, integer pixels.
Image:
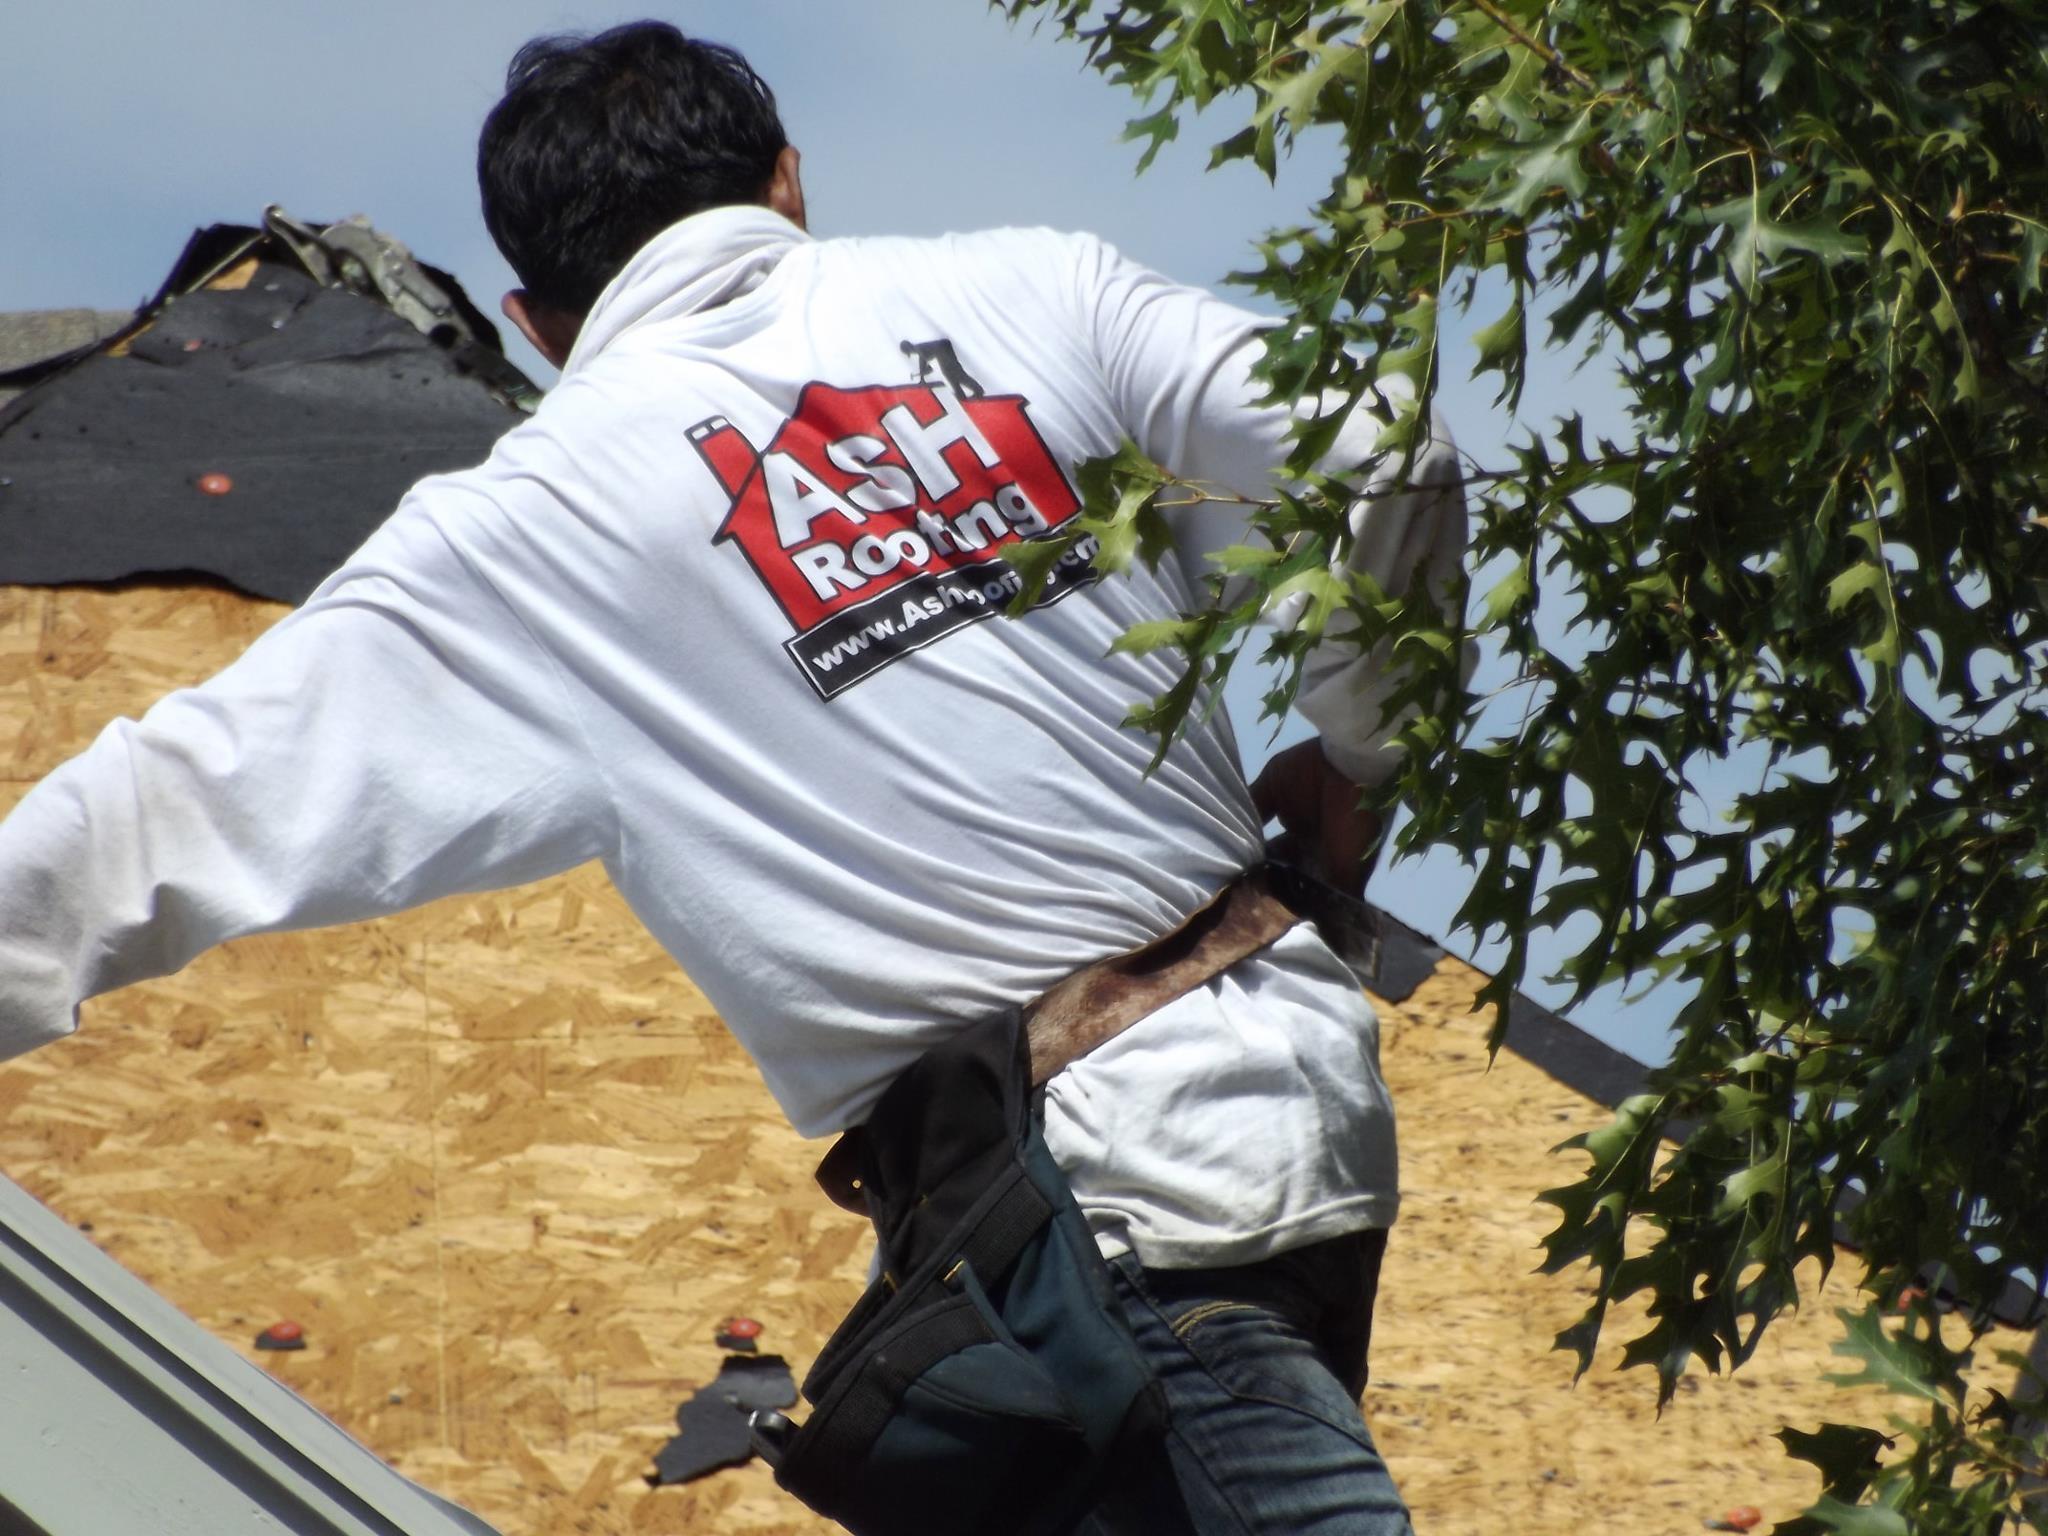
[
  {"x": 1015, "y": 269},
  {"x": 993, "y": 237},
  {"x": 1033, "y": 245}
]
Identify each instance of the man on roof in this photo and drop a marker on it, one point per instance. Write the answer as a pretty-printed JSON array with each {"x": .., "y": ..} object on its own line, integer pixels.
[{"x": 725, "y": 613}]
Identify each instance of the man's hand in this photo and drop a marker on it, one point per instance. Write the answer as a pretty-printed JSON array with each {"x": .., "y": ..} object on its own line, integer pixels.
[{"x": 1319, "y": 809}]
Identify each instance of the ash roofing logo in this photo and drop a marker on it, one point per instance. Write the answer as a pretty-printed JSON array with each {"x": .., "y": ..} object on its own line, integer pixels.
[{"x": 876, "y": 517}]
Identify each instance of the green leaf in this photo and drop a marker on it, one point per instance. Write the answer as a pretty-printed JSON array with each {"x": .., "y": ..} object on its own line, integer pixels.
[
  {"x": 1119, "y": 508},
  {"x": 1164, "y": 716},
  {"x": 1292, "y": 97},
  {"x": 1441, "y": 642},
  {"x": 1501, "y": 347},
  {"x": 1548, "y": 163},
  {"x": 1158, "y": 129},
  {"x": 1858, "y": 1520},
  {"x": 1156, "y": 634},
  {"x": 1867, "y": 577},
  {"x": 1102, "y": 481},
  {"x": 1746, "y": 1185},
  {"x": 1507, "y": 595},
  {"x": 1317, "y": 592},
  {"x": 1846, "y": 1454},
  {"x": 1756, "y": 240},
  {"x": 1416, "y": 361},
  {"x": 1887, "y": 1361},
  {"x": 1239, "y": 146},
  {"x": 1033, "y": 561},
  {"x": 1236, "y": 558},
  {"x": 2033, "y": 252},
  {"x": 1780, "y": 54}
]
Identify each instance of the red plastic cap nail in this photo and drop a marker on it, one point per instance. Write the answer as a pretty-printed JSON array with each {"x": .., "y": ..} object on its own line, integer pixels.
[
  {"x": 284, "y": 1332},
  {"x": 1743, "y": 1517},
  {"x": 215, "y": 484},
  {"x": 740, "y": 1328}
]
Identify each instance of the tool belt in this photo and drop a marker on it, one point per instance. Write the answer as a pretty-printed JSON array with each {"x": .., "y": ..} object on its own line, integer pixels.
[
  {"x": 1099, "y": 1002},
  {"x": 987, "y": 1381}
]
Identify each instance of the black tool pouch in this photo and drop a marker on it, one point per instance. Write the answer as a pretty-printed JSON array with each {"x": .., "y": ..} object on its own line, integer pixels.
[{"x": 987, "y": 1379}]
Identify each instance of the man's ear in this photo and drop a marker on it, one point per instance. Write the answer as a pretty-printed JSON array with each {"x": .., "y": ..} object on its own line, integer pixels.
[
  {"x": 552, "y": 331},
  {"x": 785, "y": 190}
]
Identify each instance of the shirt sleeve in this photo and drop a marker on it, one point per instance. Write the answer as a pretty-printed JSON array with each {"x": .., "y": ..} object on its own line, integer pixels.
[
  {"x": 400, "y": 737},
  {"x": 1178, "y": 363}
]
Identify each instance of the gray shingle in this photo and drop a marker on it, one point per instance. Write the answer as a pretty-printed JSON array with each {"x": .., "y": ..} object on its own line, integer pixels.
[{"x": 30, "y": 335}]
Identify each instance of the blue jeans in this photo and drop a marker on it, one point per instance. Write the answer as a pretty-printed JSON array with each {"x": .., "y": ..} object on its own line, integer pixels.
[{"x": 1262, "y": 1368}]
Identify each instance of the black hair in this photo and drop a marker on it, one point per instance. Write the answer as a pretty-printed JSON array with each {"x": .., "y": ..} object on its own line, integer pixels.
[{"x": 602, "y": 142}]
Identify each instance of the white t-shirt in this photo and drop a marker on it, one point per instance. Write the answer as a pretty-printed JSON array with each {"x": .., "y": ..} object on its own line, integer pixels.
[{"x": 723, "y": 614}]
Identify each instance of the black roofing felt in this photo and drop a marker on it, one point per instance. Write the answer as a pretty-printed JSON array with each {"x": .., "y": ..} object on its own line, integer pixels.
[
  {"x": 713, "y": 1420},
  {"x": 319, "y": 405}
]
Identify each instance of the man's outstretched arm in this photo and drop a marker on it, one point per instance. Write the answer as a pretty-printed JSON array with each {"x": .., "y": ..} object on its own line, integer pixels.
[{"x": 398, "y": 738}]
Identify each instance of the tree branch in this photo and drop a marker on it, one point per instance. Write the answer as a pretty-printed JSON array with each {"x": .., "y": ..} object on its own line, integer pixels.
[
  {"x": 1987, "y": 345},
  {"x": 1541, "y": 49}
]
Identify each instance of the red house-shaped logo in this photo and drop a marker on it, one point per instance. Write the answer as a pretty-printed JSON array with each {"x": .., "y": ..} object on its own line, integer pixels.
[{"x": 877, "y": 517}]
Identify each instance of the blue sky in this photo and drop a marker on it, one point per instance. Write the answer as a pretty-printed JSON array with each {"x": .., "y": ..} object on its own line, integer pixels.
[{"x": 127, "y": 124}]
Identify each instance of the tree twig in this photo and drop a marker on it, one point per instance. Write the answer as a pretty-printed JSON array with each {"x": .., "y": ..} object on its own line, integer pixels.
[
  {"x": 1541, "y": 49},
  {"x": 1579, "y": 77},
  {"x": 1988, "y": 345}
]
